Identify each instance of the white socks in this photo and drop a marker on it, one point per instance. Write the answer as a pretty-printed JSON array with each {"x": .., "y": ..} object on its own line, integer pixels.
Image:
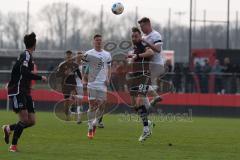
[
  {"x": 91, "y": 116},
  {"x": 145, "y": 129},
  {"x": 79, "y": 113}
]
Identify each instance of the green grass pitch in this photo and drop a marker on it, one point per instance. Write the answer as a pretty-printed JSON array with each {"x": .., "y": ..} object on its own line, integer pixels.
[{"x": 201, "y": 139}]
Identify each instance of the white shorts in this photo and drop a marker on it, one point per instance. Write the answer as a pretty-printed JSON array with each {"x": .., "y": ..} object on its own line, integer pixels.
[
  {"x": 156, "y": 70},
  {"x": 97, "y": 91}
]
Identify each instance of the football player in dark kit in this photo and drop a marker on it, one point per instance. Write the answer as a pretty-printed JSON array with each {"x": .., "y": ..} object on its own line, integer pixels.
[
  {"x": 19, "y": 92},
  {"x": 68, "y": 71},
  {"x": 138, "y": 79}
]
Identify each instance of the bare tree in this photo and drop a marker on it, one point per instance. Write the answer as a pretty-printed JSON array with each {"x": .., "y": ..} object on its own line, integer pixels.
[
  {"x": 118, "y": 27},
  {"x": 82, "y": 25},
  {"x": 53, "y": 16},
  {"x": 1, "y": 30},
  {"x": 79, "y": 31},
  {"x": 78, "y": 23},
  {"x": 14, "y": 29}
]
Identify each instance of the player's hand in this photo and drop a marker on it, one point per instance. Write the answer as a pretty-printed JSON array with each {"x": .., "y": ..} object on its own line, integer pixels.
[
  {"x": 134, "y": 57},
  {"x": 44, "y": 78},
  {"x": 107, "y": 82},
  {"x": 130, "y": 55}
]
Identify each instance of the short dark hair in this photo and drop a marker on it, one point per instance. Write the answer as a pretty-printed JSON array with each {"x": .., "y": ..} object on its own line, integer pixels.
[
  {"x": 68, "y": 52},
  {"x": 144, "y": 20},
  {"x": 30, "y": 40},
  {"x": 135, "y": 29},
  {"x": 79, "y": 52},
  {"x": 97, "y": 35}
]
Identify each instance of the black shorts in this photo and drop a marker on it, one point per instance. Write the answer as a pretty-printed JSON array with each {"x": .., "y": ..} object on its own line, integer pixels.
[
  {"x": 68, "y": 90},
  {"x": 138, "y": 83},
  {"x": 21, "y": 102}
]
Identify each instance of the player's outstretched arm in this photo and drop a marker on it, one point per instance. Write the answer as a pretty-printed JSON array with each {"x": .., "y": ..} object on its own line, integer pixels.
[{"x": 28, "y": 74}]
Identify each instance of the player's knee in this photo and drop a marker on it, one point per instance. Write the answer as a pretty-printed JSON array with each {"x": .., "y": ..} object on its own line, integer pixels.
[
  {"x": 140, "y": 100},
  {"x": 24, "y": 120},
  {"x": 32, "y": 122}
]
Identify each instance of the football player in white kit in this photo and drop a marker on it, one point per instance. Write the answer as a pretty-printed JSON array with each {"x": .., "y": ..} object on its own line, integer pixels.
[
  {"x": 97, "y": 84},
  {"x": 153, "y": 40}
]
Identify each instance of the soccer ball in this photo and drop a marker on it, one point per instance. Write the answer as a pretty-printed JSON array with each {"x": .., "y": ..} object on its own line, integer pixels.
[{"x": 117, "y": 8}]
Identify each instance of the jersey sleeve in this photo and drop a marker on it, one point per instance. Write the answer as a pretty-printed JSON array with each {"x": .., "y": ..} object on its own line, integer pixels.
[
  {"x": 109, "y": 59},
  {"x": 26, "y": 69},
  {"x": 157, "y": 39}
]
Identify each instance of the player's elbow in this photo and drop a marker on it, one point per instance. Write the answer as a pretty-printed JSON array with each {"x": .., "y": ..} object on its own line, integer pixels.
[
  {"x": 150, "y": 52},
  {"x": 158, "y": 48}
]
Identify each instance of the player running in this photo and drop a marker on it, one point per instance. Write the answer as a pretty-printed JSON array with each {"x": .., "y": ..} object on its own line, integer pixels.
[
  {"x": 68, "y": 71},
  {"x": 138, "y": 79},
  {"x": 19, "y": 92},
  {"x": 153, "y": 40},
  {"x": 98, "y": 77}
]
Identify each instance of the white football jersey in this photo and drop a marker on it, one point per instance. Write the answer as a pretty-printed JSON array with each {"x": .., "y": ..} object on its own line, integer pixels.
[
  {"x": 105, "y": 60},
  {"x": 155, "y": 38}
]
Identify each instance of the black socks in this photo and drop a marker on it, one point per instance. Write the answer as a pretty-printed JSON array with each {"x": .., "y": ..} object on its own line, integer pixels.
[
  {"x": 142, "y": 111},
  {"x": 18, "y": 131},
  {"x": 12, "y": 127}
]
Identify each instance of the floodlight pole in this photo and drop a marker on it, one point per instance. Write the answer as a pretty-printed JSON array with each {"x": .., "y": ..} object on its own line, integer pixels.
[
  {"x": 101, "y": 20},
  {"x": 204, "y": 26},
  {"x": 228, "y": 24},
  {"x": 169, "y": 28},
  {"x": 212, "y": 21},
  {"x": 136, "y": 16},
  {"x": 190, "y": 33},
  {"x": 27, "y": 25},
  {"x": 236, "y": 30},
  {"x": 66, "y": 22}
]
